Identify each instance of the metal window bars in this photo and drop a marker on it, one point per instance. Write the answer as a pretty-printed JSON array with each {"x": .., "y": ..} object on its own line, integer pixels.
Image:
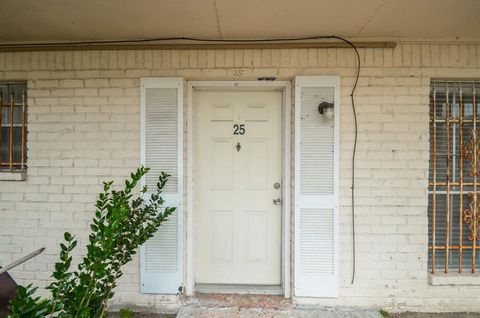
[
  {"x": 13, "y": 127},
  {"x": 454, "y": 216}
]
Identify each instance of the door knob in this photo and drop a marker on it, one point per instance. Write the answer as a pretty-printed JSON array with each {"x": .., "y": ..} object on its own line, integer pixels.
[{"x": 277, "y": 201}]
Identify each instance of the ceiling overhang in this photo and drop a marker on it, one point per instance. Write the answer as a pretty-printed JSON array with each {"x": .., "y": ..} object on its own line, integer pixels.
[{"x": 43, "y": 22}]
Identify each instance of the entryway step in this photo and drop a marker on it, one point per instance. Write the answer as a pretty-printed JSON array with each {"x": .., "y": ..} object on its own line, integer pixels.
[
  {"x": 199, "y": 311},
  {"x": 262, "y": 306}
]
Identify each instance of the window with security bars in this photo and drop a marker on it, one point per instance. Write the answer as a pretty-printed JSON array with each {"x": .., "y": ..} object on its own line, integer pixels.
[
  {"x": 453, "y": 208},
  {"x": 13, "y": 132}
]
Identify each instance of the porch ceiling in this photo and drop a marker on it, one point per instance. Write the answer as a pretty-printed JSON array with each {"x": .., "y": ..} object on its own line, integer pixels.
[{"x": 69, "y": 20}]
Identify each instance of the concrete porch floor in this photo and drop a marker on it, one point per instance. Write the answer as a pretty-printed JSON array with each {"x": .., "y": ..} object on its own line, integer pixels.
[
  {"x": 266, "y": 306},
  {"x": 262, "y": 306}
]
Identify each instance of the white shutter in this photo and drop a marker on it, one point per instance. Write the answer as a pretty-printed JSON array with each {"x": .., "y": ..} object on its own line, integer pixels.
[
  {"x": 161, "y": 258},
  {"x": 316, "y": 187}
]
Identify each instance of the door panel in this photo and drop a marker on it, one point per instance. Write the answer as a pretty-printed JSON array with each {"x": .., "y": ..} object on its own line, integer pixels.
[
  {"x": 237, "y": 225},
  {"x": 222, "y": 160},
  {"x": 256, "y": 236},
  {"x": 222, "y": 236},
  {"x": 256, "y": 164}
]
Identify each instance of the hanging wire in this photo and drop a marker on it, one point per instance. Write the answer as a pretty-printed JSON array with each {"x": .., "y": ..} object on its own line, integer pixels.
[
  {"x": 245, "y": 41},
  {"x": 166, "y": 39},
  {"x": 354, "y": 152}
]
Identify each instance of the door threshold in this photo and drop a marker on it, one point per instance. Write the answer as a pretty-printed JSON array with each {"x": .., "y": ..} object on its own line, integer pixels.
[{"x": 238, "y": 289}]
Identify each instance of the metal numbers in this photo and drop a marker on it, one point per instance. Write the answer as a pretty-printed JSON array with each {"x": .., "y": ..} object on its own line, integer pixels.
[{"x": 239, "y": 129}]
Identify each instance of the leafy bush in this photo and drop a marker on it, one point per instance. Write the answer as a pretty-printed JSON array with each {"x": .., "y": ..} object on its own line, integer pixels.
[{"x": 120, "y": 225}]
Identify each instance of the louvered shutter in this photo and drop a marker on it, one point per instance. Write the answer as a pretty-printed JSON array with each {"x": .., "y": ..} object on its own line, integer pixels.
[
  {"x": 316, "y": 187},
  {"x": 162, "y": 150}
]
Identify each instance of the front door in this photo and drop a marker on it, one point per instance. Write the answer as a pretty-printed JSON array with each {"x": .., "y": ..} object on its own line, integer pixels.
[{"x": 238, "y": 173}]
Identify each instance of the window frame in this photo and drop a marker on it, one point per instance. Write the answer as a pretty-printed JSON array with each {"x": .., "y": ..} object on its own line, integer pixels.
[
  {"x": 13, "y": 130},
  {"x": 457, "y": 217}
]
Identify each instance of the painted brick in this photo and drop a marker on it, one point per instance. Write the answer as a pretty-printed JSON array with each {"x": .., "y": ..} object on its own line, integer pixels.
[{"x": 84, "y": 129}]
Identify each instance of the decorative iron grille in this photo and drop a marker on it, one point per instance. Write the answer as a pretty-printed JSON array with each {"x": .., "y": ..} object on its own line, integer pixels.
[
  {"x": 13, "y": 124},
  {"x": 453, "y": 210}
]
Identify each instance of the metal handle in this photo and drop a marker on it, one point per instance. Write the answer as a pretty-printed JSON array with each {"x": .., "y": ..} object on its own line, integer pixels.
[
  {"x": 21, "y": 260},
  {"x": 277, "y": 201}
]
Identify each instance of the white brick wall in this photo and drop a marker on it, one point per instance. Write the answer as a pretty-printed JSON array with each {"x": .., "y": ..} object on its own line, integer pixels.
[{"x": 84, "y": 129}]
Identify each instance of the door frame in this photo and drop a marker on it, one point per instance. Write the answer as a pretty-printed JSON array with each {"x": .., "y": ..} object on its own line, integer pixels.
[{"x": 285, "y": 88}]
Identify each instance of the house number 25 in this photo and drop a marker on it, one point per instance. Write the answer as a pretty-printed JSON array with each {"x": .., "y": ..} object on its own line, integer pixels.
[{"x": 239, "y": 129}]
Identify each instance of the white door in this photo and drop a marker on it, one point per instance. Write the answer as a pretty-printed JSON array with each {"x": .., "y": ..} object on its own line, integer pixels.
[{"x": 238, "y": 173}]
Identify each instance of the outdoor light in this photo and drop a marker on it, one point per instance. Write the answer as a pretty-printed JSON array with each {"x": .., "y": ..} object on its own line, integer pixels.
[
  {"x": 266, "y": 78},
  {"x": 326, "y": 110}
]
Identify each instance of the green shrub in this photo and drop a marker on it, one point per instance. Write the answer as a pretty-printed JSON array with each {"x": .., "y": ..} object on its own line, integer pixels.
[{"x": 121, "y": 224}]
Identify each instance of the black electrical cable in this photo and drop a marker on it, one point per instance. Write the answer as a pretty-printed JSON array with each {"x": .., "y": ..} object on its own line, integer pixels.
[
  {"x": 353, "y": 155},
  {"x": 193, "y": 39}
]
